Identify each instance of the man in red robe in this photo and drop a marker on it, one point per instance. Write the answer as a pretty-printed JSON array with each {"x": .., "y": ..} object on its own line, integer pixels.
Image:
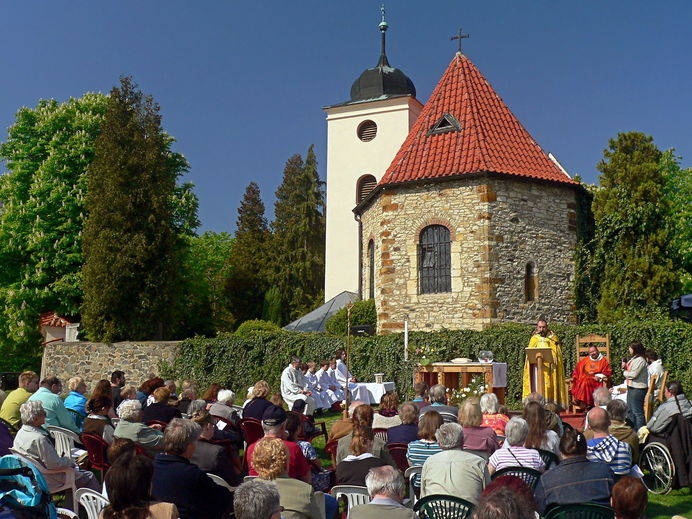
[{"x": 589, "y": 374}]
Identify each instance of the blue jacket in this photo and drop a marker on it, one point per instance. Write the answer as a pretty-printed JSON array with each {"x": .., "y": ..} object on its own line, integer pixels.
[
  {"x": 575, "y": 480},
  {"x": 615, "y": 453},
  {"x": 178, "y": 481},
  {"x": 77, "y": 402}
]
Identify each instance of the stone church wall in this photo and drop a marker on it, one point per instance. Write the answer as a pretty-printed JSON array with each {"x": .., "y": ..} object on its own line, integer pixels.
[
  {"x": 497, "y": 225},
  {"x": 94, "y": 361}
]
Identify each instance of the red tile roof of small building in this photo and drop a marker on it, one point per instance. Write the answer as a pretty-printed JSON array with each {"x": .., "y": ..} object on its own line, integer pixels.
[
  {"x": 491, "y": 138},
  {"x": 53, "y": 319}
]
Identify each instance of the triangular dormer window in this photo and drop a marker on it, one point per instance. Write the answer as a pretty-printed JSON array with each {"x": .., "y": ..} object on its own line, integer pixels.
[{"x": 446, "y": 123}]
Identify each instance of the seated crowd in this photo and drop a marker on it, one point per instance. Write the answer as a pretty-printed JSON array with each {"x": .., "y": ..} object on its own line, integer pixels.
[{"x": 163, "y": 448}]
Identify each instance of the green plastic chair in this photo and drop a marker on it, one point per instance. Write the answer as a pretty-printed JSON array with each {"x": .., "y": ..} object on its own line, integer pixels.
[
  {"x": 527, "y": 475},
  {"x": 439, "y": 506},
  {"x": 580, "y": 511},
  {"x": 549, "y": 458}
]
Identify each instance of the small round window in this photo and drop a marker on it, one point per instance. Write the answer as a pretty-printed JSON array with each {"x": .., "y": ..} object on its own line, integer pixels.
[{"x": 367, "y": 130}]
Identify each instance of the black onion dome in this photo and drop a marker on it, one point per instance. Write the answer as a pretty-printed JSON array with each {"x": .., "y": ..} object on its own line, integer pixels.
[{"x": 382, "y": 81}]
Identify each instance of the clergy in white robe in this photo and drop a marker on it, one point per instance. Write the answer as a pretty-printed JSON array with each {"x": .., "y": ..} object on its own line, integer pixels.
[
  {"x": 321, "y": 400},
  {"x": 293, "y": 386},
  {"x": 344, "y": 377},
  {"x": 329, "y": 388}
]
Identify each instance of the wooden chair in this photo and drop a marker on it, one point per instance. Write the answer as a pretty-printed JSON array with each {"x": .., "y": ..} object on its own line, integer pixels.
[
  {"x": 580, "y": 511},
  {"x": 583, "y": 343},
  {"x": 398, "y": 453},
  {"x": 68, "y": 485},
  {"x": 649, "y": 398},
  {"x": 64, "y": 440},
  {"x": 664, "y": 381},
  {"x": 91, "y": 501},
  {"x": 351, "y": 495},
  {"x": 440, "y": 506}
]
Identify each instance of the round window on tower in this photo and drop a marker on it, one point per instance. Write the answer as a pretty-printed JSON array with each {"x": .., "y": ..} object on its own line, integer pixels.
[{"x": 367, "y": 130}]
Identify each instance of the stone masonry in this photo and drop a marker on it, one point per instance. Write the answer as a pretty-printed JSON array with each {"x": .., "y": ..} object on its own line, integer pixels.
[
  {"x": 94, "y": 361},
  {"x": 497, "y": 225}
]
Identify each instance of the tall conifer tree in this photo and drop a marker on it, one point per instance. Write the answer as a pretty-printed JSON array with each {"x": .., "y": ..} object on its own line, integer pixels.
[
  {"x": 631, "y": 256},
  {"x": 132, "y": 253},
  {"x": 299, "y": 236},
  {"x": 246, "y": 283}
]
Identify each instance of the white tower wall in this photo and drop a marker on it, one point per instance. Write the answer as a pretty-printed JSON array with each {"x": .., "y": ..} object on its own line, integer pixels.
[{"x": 348, "y": 159}]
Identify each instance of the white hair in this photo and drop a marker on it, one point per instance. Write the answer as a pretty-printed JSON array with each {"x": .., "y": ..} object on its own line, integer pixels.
[
  {"x": 226, "y": 397},
  {"x": 130, "y": 410},
  {"x": 30, "y": 410},
  {"x": 438, "y": 394},
  {"x": 196, "y": 405},
  {"x": 385, "y": 480},
  {"x": 601, "y": 396},
  {"x": 489, "y": 403},
  {"x": 450, "y": 436},
  {"x": 256, "y": 499},
  {"x": 516, "y": 431}
]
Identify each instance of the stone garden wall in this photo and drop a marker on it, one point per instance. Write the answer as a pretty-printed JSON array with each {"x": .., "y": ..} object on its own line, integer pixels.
[{"x": 94, "y": 361}]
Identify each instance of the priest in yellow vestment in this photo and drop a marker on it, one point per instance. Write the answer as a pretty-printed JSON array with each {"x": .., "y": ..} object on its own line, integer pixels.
[{"x": 553, "y": 374}]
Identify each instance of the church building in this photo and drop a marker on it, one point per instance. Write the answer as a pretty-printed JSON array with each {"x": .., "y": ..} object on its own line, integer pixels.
[{"x": 461, "y": 219}]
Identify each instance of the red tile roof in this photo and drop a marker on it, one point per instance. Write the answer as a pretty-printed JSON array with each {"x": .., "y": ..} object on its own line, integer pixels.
[
  {"x": 491, "y": 138},
  {"x": 53, "y": 319}
]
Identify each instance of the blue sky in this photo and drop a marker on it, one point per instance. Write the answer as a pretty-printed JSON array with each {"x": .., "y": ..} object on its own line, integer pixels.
[{"x": 242, "y": 84}]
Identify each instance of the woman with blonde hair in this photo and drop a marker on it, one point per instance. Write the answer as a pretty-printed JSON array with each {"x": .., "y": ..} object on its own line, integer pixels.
[
  {"x": 75, "y": 400},
  {"x": 354, "y": 467},
  {"x": 388, "y": 414},
  {"x": 270, "y": 460},
  {"x": 160, "y": 411},
  {"x": 480, "y": 440},
  {"x": 127, "y": 393},
  {"x": 258, "y": 404}
]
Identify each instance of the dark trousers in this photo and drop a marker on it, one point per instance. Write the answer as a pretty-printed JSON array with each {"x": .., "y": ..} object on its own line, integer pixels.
[{"x": 635, "y": 406}]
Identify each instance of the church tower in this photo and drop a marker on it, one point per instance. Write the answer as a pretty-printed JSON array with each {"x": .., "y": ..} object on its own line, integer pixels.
[{"x": 363, "y": 135}]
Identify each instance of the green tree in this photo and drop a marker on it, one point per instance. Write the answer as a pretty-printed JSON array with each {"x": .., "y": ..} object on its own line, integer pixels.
[
  {"x": 632, "y": 252},
  {"x": 206, "y": 269},
  {"x": 299, "y": 228},
  {"x": 47, "y": 152},
  {"x": 246, "y": 281},
  {"x": 132, "y": 252},
  {"x": 678, "y": 193}
]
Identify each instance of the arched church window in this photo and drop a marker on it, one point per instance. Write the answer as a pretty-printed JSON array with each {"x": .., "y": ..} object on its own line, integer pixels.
[
  {"x": 530, "y": 283},
  {"x": 364, "y": 186},
  {"x": 434, "y": 260},
  {"x": 371, "y": 269}
]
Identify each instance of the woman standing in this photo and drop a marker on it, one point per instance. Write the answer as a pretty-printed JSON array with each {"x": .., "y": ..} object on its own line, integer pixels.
[{"x": 637, "y": 379}]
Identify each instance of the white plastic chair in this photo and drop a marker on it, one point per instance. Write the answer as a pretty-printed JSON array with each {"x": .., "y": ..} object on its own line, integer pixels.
[
  {"x": 220, "y": 481},
  {"x": 354, "y": 495},
  {"x": 64, "y": 513},
  {"x": 238, "y": 409},
  {"x": 91, "y": 501},
  {"x": 408, "y": 476},
  {"x": 64, "y": 440},
  {"x": 68, "y": 473}
]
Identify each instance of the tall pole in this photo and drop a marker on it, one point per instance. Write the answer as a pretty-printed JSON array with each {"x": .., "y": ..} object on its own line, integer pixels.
[{"x": 348, "y": 359}]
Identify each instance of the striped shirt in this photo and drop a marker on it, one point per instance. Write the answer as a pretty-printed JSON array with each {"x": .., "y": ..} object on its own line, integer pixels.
[
  {"x": 516, "y": 456},
  {"x": 418, "y": 451},
  {"x": 615, "y": 453}
]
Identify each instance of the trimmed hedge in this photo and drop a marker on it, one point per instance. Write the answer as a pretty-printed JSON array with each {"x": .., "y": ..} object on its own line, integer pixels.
[{"x": 238, "y": 362}]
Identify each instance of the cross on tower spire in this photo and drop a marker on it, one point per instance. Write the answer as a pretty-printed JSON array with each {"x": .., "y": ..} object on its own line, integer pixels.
[{"x": 460, "y": 37}]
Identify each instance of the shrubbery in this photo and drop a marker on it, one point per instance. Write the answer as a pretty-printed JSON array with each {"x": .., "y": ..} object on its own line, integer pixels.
[
  {"x": 362, "y": 313},
  {"x": 238, "y": 361},
  {"x": 256, "y": 325}
]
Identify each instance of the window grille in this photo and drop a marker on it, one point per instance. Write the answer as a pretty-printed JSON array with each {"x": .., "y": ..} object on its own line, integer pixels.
[{"x": 434, "y": 260}]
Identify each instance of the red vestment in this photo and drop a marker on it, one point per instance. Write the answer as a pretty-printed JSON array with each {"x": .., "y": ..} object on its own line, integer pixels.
[{"x": 584, "y": 383}]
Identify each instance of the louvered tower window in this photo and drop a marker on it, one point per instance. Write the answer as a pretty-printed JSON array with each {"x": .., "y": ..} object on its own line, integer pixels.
[
  {"x": 434, "y": 260},
  {"x": 371, "y": 269},
  {"x": 367, "y": 130},
  {"x": 364, "y": 186}
]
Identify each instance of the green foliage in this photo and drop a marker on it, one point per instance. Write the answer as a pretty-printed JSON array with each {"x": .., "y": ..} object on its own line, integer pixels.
[
  {"x": 133, "y": 256},
  {"x": 585, "y": 287},
  {"x": 362, "y": 313},
  {"x": 254, "y": 326},
  {"x": 239, "y": 361},
  {"x": 632, "y": 256},
  {"x": 272, "y": 306},
  {"x": 47, "y": 153},
  {"x": 206, "y": 267},
  {"x": 246, "y": 280},
  {"x": 678, "y": 193},
  {"x": 298, "y": 244}
]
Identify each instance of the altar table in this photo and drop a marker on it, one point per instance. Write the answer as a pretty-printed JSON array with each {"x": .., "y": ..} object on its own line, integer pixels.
[
  {"x": 370, "y": 392},
  {"x": 453, "y": 375}
]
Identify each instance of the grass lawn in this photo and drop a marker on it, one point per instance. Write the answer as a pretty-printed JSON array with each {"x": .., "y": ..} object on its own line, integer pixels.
[{"x": 677, "y": 502}]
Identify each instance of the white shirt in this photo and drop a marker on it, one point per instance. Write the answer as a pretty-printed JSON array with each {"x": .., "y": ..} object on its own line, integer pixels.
[{"x": 342, "y": 374}]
